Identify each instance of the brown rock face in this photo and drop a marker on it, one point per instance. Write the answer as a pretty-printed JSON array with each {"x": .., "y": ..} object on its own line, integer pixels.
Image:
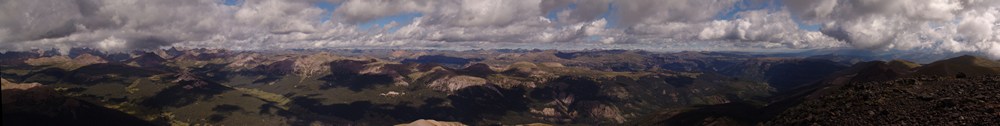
[
  {"x": 147, "y": 60},
  {"x": 313, "y": 64},
  {"x": 64, "y": 62},
  {"x": 14, "y": 92},
  {"x": 45, "y": 61},
  {"x": 603, "y": 111},
  {"x": 245, "y": 61},
  {"x": 17, "y": 86},
  {"x": 454, "y": 83},
  {"x": 88, "y": 59},
  {"x": 425, "y": 122}
]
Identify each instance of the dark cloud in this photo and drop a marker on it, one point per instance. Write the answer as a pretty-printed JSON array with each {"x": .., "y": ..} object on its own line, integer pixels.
[{"x": 148, "y": 42}]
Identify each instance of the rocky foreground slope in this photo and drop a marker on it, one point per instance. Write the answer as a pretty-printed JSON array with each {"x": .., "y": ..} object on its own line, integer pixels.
[
  {"x": 957, "y": 91},
  {"x": 907, "y": 101}
]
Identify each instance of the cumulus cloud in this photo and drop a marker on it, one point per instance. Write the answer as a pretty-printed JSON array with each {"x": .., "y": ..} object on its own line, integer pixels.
[
  {"x": 151, "y": 24},
  {"x": 660, "y": 11},
  {"x": 357, "y": 11},
  {"x": 585, "y": 10},
  {"x": 933, "y": 25},
  {"x": 513, "y": 21},
  {"x": 751, "y": 26}
]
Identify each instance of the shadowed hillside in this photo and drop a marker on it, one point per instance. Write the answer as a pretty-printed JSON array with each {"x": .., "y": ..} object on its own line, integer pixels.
[{"x": 959, "y": 91}]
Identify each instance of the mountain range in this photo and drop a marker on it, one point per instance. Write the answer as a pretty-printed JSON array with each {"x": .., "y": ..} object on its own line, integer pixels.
[{"x": 490, "y": 87}]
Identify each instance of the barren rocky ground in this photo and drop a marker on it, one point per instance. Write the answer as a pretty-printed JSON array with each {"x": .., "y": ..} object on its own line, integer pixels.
[{"x": 907, "y": 101}]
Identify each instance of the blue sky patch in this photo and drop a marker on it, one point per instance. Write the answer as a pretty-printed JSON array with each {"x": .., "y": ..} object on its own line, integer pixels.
[
  {"x": 232, "y": 2},
  {"x": 402, "y": 19},
  {"x": 329, "y": 7}
]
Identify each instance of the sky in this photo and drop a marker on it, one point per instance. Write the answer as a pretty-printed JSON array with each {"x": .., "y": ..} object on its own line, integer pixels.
[{"x": 931, "y": 26}]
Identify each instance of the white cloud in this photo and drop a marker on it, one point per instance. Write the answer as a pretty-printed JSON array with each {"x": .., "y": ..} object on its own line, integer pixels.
[
  {"x": 112, "y": 43},
  {"x": 152, "y": 24},
  {"x": 357, "y": 11},
  {"x": 749, "y": 26},
  {"x": 933, "y": 25},
  {"x": 660, "y": 11}
]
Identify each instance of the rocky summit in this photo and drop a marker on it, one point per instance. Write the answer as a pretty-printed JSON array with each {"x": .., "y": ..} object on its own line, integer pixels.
[
  {"x": 906, "y": 101},
  {"x": 179, "y": 86}
]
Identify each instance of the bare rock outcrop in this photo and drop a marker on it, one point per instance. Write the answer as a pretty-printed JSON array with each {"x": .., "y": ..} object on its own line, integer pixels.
[
  {"x": 313, "y": 65},
  {"x": 454, "y": 83},
  {"x": 428, "y": 122},
  {"x": 907, "y": 101}
]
